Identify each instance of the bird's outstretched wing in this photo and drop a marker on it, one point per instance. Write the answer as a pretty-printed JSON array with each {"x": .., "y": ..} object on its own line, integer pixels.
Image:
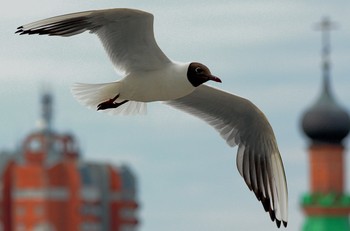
[
  {"x": 241, "y": 123},
  {"x": 126, "y": 34}
]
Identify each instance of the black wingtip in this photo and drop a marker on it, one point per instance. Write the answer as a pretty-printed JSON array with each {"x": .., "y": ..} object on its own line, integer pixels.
[
  {"x": 19, "y": 30},
  {"x": 266, "y": 203},
  {"x": 272, "y": 215},
  {"x": 278, "y": 222},
  {"x": 285, "y": 223}
]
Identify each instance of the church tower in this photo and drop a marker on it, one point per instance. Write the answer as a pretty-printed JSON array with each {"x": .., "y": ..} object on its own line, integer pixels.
[
  {"x": 46, "y": 184},
  {"x": 326, "y": 124}
]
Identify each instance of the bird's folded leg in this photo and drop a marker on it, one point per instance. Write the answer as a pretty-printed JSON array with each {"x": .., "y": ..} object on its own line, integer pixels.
[{"x": 110, "y": 103}]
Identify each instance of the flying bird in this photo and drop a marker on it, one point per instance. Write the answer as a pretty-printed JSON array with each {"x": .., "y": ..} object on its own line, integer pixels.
[{"x": 149, "y": 75}]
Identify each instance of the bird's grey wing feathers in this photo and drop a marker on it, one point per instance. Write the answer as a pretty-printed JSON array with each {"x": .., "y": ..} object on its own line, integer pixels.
[
  {"x": 241, "y": 123},
  {"x": 126, "y": 34}
]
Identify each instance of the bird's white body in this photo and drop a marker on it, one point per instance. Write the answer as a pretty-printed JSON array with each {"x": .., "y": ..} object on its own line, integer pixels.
[
  {"x": 149, "y": 75},
  {"x": 156, "y": 85}
]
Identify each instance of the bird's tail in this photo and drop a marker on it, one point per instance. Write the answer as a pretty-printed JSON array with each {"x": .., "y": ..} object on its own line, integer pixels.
[{"x": 92, "y": 95}]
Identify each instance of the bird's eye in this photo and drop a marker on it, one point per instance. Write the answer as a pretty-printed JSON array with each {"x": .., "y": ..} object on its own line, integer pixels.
[{"x": 198, "y": 70}]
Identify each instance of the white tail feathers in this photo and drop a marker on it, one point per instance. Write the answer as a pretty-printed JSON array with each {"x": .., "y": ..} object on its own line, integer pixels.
[{"x": 92, "y": 95}]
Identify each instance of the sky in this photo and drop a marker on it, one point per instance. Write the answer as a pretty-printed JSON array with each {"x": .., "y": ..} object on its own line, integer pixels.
[{"x": 267, "y": 51}]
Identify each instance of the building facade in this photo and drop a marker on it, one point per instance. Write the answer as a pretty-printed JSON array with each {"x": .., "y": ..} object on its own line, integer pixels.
[{"x": 47, "y": 186}]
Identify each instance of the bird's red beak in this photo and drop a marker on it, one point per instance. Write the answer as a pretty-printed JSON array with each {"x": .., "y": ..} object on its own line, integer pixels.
[{"x": 214, "y": 78}]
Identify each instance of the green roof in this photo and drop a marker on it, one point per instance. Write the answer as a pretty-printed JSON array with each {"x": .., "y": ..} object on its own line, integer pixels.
[
  {"x": 325, "y": 200},
  {"x": 325, "y": 223}
]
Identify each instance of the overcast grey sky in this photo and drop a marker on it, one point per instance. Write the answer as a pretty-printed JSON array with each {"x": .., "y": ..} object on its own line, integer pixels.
[{"x": 266, "y": 51}]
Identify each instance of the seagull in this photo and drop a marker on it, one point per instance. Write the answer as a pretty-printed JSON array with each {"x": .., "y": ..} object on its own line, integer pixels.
[{"x": 149, "y": 75}]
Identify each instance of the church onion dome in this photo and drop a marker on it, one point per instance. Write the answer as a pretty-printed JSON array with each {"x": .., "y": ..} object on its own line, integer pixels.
[{"x": 326, "y": 121}]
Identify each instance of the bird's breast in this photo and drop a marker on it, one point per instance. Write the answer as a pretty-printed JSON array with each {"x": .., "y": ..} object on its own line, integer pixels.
[{"x": 159, "y": 85}]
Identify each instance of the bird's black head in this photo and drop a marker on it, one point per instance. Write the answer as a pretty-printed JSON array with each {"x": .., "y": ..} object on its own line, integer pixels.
[{"x": 198, "y": 73}]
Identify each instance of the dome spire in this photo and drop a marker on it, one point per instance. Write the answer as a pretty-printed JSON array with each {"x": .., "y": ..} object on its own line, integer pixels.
[
  {"x": 325, "y": 121},
  {"x": 46, "y": 110},
  {"x": 325, "y": 26},
  {"x": 46, "y": 104}
]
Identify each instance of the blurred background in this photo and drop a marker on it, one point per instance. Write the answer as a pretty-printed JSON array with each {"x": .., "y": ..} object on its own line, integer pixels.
[{"x": 266, "y": 51}]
